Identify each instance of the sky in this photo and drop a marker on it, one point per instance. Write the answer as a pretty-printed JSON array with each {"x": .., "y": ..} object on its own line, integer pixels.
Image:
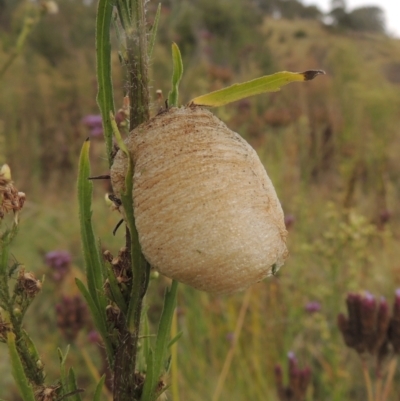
[{"x": 390, "y": 7}]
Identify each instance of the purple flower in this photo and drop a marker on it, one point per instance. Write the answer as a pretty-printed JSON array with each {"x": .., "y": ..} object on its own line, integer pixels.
[
  {"x": 59, "y": 261},
  {"x": 92, "y": 120},
  {"x": 94, "y": 337},
  {"x": 94, "y": 123},
  {"x": 289, "y": 220},
  {"x": 312, "y": 307}
]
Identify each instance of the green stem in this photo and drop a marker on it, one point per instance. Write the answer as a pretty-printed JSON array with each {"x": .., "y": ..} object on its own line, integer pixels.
[
  {"x": 138, "y": 68},
  {"x": 28, "y": 25},
  {"x": 137, "y": 60}
]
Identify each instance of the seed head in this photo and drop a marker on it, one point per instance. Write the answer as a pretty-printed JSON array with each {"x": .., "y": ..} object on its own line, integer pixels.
[
  {"x": 11, "y": 200},
  {"x": 28, "y": 284}
]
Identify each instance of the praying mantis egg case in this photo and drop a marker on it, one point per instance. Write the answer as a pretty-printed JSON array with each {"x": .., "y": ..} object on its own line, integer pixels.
[{"x": 205, "y": 209}]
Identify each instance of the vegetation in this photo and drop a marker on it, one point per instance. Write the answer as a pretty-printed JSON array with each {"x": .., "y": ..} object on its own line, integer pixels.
[{"x": 330, "y": 147}]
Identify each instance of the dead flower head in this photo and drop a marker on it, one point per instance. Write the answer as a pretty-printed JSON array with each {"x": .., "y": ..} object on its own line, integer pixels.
[
  {"x": 10, "y": 199},
  {"x": 28, "y": 282},
  {"x": 47, "y": 393}
]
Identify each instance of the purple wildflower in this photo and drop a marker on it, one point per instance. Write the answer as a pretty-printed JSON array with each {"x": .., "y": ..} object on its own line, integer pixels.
[
  {"x": 94, "y": 337},
  {"x": 312, "y": 307},
  {"x": 289, "y": 220},
  {"x": 59, "y": 262},
  {"x": 94, "y": 123},
  {"x": 299, "y": 380}
]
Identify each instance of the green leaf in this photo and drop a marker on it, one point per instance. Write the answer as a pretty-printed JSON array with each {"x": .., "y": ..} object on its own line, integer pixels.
[
  {"x": 117, "y": 134},
  {"x": 124, "y": 14},
  {"x": 99, "y": 388},
  {"x": 17, "y": 370},
  {"x": 268, "y": 83},
  {"x": 4, "y": 254},
  {"x": 153, "y": 32},
  {"x": 127, "y": 203},
  {"x": 98, "y": 319},
  {"x": 161, "y": 348},
  {"x": 149, "y": 381},
  {"x": 139, "y": 264},
  {"x": 91, "y": 255},
  {"x": 146, "y": 339},
  {"x": 175, "y": 339},
  {"x": 31, "y": 346},
  {"x": 73, "y": 387},
  {"x": 105, "y": 98},
  {"x": 63, "y": 372},
  {"x": 177, "y": 72}
]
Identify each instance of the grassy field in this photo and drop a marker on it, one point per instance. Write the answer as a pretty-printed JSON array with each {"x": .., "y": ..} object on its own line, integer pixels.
[{"x": 330, "y": 147}]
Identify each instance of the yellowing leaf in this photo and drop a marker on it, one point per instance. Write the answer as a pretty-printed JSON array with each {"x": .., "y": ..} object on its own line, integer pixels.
[{"x": 268, "y": 83}]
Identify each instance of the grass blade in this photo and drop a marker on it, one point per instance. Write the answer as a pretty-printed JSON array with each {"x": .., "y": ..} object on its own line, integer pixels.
[
  {"x": 17, "y": 370},
  {"x": 153, "y": 32},
  {"x": 268, "y": 83},
  {"x": 89, "y": 244},
  {"x": 162, "y": 342},
  {"x": 99, "y": 320},
  {"x": 99, "y": 388},
  {"x": 105, "y": 98},
  {"x": 177, "y": 73},
  {"x": 73, "y": 386}
]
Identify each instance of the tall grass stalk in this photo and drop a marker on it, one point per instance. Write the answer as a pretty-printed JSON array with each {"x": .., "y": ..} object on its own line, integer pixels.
[{"x": 231, "y": 353}]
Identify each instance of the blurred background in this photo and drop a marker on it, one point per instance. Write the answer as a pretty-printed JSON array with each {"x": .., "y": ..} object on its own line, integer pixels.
[{"x": 330, "y": 146}]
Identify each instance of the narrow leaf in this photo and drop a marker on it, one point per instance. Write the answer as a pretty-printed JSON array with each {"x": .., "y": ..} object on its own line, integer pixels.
[
  {"x": 89, "y": 244},
  {"x": 164, "y": 330},
  {"x": 175, "y": 339},
  {"x": 99, "y": 388},
  {"x": 31, "y": 346},
  {"x": 268, "y": 83},
  {"x": 99, "y": 321},
  {"x": 137, "y": 259},
  {"x": 177, "y": 72},
  {"x": 117, "y": 135},
  {"x": 17, "y": 370},
  {"x": 105, "y": 98},
  {"x": 146, "y": 339},
  {"x": 150, "y": 382},
  {"x": 63, "y": 372},
  {"x": 153, "y": 31},
  {"x": 73, "y": 387},
  {"x": 4, "y": 255}
]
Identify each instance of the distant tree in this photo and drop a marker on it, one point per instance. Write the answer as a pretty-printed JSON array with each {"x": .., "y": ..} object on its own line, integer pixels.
[
  {"x": 370, "y": 19},
  {"x": 289, "y": 9}
]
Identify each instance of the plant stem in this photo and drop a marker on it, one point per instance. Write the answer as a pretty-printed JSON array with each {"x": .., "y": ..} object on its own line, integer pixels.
[
  {"x": 367, "y": 379},
  {"x": 389, "y": 379},
  {"x": 28, "y": 25},
  {"x": 138, "y": 68},
  {"x": 125, "y": 377},
  {"x": 174, "y": 360},
  {"x": 231, "y": 352}
]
